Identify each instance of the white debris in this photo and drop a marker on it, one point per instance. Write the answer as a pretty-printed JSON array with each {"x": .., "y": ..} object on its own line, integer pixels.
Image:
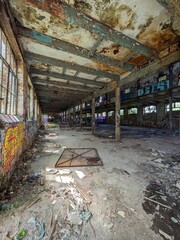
[
  {"x": 64, "y": 179},
  {"x": 80, "y": 174},
  {"x": 121, "y": 213},
  {"x": 54, "y": 202},
  {"x": 64, "y": 171},
  {"x": 51, "y": 170},
  {"x": 165, "y": 235},
  {"x": 67, "y": 179},
  {"x": 110, "y": 226}
]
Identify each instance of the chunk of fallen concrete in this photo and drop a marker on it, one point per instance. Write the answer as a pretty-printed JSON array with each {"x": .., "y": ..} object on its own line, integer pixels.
[
  {"x": 165, "y": 235},
  {"x": 80, "y": 174},
  {"x": 121, "y": 213},
  {"x": 51, "y": 170},
  {"x": 64, "y": 171},
  {"x": 110, "y": 226}
]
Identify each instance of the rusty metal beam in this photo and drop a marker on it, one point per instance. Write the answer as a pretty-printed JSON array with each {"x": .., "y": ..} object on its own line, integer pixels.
[
  {"x": 73, "y": 49},
  {"x": 77, "y": 18},
  {"x": 140, "y": 73},
  {"x": 58, "y": 84},
  {"x": 54, "y": 90},
  {"x": 59, "y": 63},
  {"x": 65, "y": 77},
  {"x": 151, "y": 68}
]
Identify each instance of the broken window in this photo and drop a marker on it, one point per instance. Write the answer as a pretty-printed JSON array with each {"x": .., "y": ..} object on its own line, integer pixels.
[
  {"x": 149, "y": 109},
  {"x": 8, "y": 78},
  {"x": 132, "y": 111},
  {"x": 121, "y": 112},
  {"x": 175, "y": 107}
]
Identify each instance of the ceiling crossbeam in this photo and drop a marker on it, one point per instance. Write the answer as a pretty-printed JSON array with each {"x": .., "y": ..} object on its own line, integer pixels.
[
  {"x": 68, "y": 65},
  {"x": 73, "y": 49},
  {"x": 65, "y": 77}
]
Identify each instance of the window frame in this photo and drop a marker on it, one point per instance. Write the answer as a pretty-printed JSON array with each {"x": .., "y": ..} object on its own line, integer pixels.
[{"x": 8, "y": 86}]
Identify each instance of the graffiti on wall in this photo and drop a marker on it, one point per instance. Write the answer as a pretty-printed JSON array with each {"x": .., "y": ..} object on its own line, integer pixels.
[{"x": 12, "y": 146}]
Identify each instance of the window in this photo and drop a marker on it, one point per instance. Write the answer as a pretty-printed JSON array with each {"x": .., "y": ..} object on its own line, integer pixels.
[
  {"x": 110, "y": 113},
  {"x": 132, "y": 111},
  {"x": 8, "y": 77},
  {"x": 149, "y": 109},
  {"x": 121, "y": 112},
  {"x": 175, "y": 107}
]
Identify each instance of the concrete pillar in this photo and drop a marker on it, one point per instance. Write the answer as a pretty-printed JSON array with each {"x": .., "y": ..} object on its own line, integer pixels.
[
  {"x": 74, "y": 115},
  {"x": 22, "y": 107},
  {"x": 170, "y": 110},
  {"x": 65, "y": 116},
  {"x": 69, "y": 117},
  {"x": 80, "y": 120},
  {"x": 140, "y": 113},
  {"x": 117, "y": 114},
  {"x": 170, "y": 96},
  {"x": 93, "y": 115},
  {"x": 160, "y": 111}
]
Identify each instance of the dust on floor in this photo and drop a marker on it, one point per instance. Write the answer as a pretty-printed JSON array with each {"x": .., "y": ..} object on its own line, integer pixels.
[{"x": 118, "y": 201}]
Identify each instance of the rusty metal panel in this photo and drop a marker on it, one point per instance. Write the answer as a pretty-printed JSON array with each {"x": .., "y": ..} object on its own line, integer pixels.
[{"x": 79, "y": 157}]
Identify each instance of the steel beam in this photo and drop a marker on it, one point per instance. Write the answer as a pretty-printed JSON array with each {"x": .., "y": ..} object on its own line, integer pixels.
[
  {"x": 140, "y": 73},
  {"x": 36, "y": 80},
  {"x": 77, "y": 18},
  {"x": 56, "y": 91},
  {"x": 65, "y": 77},
  {"x": 60, "y": 63},
  {"x": 151, "y": 68},
  {"x": 73, "y": 49}
]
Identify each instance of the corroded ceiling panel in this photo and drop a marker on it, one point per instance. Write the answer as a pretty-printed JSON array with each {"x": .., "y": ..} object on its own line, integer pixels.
[{"x": 107, "y": 40}]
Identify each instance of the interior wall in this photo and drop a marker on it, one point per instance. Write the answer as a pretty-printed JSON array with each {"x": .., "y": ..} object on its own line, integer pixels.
[{"x": 17, "y": 131}]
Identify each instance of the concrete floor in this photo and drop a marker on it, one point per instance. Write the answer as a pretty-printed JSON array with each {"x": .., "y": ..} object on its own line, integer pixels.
[{"x": 118, "y": 186}]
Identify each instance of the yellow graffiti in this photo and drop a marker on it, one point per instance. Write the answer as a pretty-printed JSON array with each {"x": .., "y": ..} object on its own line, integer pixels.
[{"x": 13, "y": 143}]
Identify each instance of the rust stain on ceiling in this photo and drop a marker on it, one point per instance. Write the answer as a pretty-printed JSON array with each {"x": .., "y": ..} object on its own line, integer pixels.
[
  {"x": 146, "y": 21},
  {"x": 113, "y": 50},
  {"x": 139, "y": 60}
]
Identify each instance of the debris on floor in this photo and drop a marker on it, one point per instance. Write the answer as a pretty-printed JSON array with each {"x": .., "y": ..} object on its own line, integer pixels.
[
  {"x": 162, "y": 195},
  {"x": 99, "y": 202}
]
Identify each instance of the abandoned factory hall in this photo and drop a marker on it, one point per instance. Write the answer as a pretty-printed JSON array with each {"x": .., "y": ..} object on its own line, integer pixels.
[{"x": 89, "y": 119}]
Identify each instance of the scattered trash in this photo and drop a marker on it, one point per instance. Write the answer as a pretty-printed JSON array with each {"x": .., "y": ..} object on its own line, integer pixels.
[
  {"x": 80, "y": 174},
  {"x": 33, "y": 177},
  {"x": 21, "y": 234},
  {"x": 52, "y": 170},
  {"x": 52, "y": 135},
  {"x": 60, "y": 179},
  {"x": 110, "y": 226},
  {"x": 121, "y": 213},
  {"x": 165, "y": 235},
  {"x": 163, "y": 205},
  {"x": 35, "y": 201},
  {"x": 36, "y": 230},
  {"x": 54, "y": 202},
  {"x": 174, "y": 220},
  {"x": 53, "y": 226},
  {"x": 64, "y": 171}
]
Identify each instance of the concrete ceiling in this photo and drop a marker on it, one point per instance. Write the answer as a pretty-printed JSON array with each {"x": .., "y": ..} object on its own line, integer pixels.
[{"x": 74, "y": 48}]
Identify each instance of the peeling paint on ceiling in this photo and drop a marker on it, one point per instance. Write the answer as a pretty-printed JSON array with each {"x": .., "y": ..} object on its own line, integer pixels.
[{"x": 150, "y": 28}]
